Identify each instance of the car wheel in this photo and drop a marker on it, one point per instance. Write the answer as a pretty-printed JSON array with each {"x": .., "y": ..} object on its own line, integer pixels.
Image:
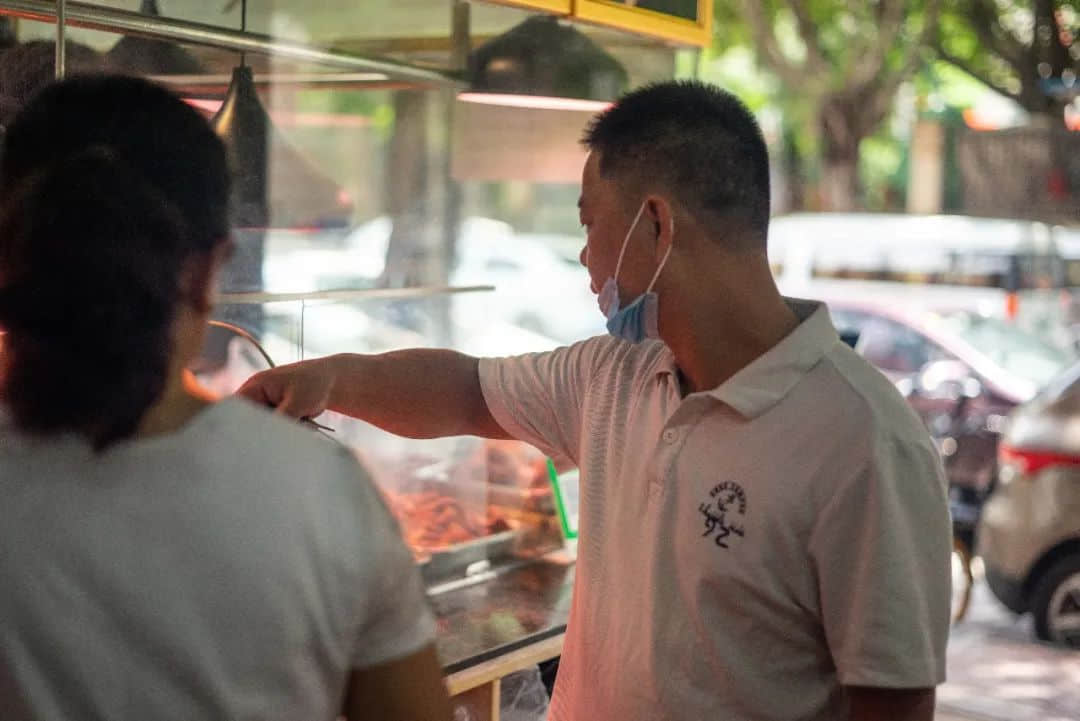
[{"x": 1056, "y": 603}]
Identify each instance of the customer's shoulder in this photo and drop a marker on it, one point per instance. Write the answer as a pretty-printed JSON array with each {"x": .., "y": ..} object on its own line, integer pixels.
[{"x": 270, "y": 441}]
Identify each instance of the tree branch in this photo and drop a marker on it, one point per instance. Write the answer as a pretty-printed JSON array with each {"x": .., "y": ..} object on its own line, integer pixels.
[
  {"x": 1059, "y": 54},
  {"x": 765, "y": 39},
  {"x": 974, "y": 72},
  {"x": 808, "y": 31},
  {"x": 983, "y": 15},
  {"x": 884, "y": 92},
  {"x": 929, "y": 32},
  {"x": 891, "y": 20}
]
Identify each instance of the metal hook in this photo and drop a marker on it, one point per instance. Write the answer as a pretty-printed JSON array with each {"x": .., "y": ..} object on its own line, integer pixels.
[{"x": 243, "y": 333}]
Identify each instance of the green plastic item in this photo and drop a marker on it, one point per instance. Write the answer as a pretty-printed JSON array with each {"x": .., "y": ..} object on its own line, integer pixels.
[{"x": 567, "y": 516}]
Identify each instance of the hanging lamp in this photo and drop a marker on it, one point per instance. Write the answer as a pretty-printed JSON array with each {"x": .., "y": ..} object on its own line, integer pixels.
[
  {"x": 273, "y": 184},
  {"x": 545, "y": 63}
]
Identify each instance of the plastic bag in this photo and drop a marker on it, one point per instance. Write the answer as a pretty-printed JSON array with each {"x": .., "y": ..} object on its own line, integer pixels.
[{"x": 523, "y": 697}]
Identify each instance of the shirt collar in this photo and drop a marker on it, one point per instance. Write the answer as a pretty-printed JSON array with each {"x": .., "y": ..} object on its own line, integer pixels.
[{"x": 768, "y": 379}]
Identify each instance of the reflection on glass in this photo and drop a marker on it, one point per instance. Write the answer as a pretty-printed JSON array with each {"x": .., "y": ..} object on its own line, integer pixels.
[
  {"x": 687, "y": 9},
  {"x": 352, "y": 195}
]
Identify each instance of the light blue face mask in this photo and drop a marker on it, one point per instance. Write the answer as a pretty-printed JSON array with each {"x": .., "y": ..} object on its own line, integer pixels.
[{"x": 640, "y": 318}]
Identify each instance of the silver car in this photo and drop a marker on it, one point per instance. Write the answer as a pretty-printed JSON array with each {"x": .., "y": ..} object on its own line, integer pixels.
[{"x": 1029, "y": 534}]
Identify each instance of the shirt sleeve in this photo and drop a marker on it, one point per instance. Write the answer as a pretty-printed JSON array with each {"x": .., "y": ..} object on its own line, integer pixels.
[
  {"x": 398, "y": 619},
  {"x": 882, "y": 549},
  {"x": 538, "y": 397}
]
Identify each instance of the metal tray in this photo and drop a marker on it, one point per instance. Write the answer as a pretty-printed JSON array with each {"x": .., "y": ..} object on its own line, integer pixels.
[{"x": 456, "y": 561}]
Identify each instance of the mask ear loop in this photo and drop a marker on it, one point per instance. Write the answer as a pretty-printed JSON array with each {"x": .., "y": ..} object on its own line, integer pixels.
[
  {"x": 626, "y": 240},
  {"x": 663, "y": 261},
  {"x": 656, "y": 275}
]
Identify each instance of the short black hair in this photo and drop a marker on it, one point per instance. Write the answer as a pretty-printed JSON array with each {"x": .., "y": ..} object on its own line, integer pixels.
[{"x": 697, "y": 141}]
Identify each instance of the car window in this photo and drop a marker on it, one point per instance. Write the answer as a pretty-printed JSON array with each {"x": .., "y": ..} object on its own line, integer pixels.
[
  {"x": 888, "y": 344},
  {"x": 847, "y": 320},
  {"x": 1066, "y": 385},
  {"x": 1024, "y": 355}
]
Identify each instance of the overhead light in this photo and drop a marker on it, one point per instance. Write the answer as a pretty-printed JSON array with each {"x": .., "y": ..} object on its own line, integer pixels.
[
  {"x": 541, "y": 102},
  {"x": 273, "y": 184},
  {"x": 544, "y": 59},
  {"x": 244, "y": 126}
]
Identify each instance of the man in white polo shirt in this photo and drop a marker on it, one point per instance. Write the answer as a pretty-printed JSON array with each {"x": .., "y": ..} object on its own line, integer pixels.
[{"x": 764, "y": 526}]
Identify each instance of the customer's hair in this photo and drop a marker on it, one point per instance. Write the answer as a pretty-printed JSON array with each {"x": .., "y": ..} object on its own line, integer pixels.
[
  {"x": 699, "y": 143},
  {"x": 107, "y": 186}
]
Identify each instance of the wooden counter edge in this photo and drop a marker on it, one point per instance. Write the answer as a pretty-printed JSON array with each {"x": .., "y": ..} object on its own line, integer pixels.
[{"x": 496, "y": 668}]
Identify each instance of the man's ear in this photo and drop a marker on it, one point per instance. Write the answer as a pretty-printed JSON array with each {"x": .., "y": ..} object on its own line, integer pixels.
[
  {"x": 662, "y": 217},
  {"x": 198, "y": 277}
]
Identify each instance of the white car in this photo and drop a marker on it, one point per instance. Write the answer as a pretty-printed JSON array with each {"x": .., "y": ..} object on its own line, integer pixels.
[
  {"x": 990, "y": 266},
  {"x": 539, "y": 284},
  {"x": 541, "y": 289},
  {"x": 537, "y": 287}
]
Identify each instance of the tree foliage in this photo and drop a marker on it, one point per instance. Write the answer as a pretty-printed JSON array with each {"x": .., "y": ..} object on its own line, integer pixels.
[
  {"x": 847, "y": 59},
  {"x": 1028, "y": 51}
]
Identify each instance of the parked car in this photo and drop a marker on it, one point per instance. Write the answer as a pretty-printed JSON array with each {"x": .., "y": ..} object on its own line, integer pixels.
[
  {"x": 1068, "y": 241},
  {"x": 1005, "y": 268},
  {"x": 540, "y": 285},
  {"x": 1029, "y": 533},
  {"x": 961, "y": 371}
]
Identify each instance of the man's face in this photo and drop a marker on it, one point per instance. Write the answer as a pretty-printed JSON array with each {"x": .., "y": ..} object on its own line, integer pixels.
[{"x": 606, "y": 219}]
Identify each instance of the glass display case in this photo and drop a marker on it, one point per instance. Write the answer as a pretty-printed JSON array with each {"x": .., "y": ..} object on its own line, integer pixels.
[
  {"x": 354, "y": 233},
  {"x": 481, "y": 516},
  {"x": 466, "y": 505}
]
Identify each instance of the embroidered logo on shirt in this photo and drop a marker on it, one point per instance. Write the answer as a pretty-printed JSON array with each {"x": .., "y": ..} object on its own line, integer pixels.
[{"x": 726, "y": 504}]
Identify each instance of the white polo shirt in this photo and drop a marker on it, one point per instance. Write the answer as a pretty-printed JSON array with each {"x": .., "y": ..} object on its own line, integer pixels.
[{"x": 745, "y": 552}]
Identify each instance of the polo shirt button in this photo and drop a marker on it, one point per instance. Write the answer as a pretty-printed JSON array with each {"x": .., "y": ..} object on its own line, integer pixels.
[{"x": 670, "y": 435}]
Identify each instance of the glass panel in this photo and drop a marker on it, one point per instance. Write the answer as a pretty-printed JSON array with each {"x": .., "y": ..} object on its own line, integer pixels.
[
  {"x": 459, "y": 500},
  {"x": 684, "y": 9},
  {"x": 356, "y": 195},
  {"x": 322, "y": 24}
]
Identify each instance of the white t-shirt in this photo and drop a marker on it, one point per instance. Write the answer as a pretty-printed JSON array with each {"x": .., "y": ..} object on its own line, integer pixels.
[
  {"x": 235, "y": 569},
  {"x": 745, "y": 552}
]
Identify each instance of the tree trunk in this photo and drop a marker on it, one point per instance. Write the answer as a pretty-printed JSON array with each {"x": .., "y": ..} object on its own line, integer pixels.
[
  {"x": 839, "y": 180},
  {"x": 840, "y": 140},
  {"x": 407, "y": 169},
  {"x": 1047, "y": 52},
  {"x": 425, "y": 208}
]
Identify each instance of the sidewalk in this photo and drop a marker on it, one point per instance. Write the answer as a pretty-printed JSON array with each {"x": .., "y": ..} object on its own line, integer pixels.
[{"x": 998, "y": 672}]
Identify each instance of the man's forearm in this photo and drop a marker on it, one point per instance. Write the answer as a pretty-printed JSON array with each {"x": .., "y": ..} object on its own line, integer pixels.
[{"x": 417, "y": 393}]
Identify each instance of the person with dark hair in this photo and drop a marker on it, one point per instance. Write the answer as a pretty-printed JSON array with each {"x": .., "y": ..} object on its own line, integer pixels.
[
  {"x": 165, "y": 556},
  {"x": 28, "y": 67},
  {"x": 764, "y": 531}
]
